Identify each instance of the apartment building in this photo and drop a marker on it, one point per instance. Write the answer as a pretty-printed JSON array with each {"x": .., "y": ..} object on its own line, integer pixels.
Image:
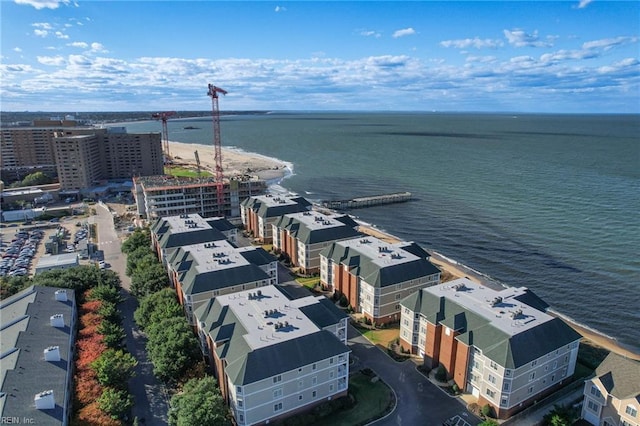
[
  {"x": 259, "y": 213},
  {"x": 170, "y": 233},
  {"x": 612, "y": 396},
  {"x": 81, "y": 157},
  {"x": 204, "y": 271},
  {"x": 161, "y": 196},
  {"x": 499, "y": 345},
  {"x": 26, "y": 150},
  {"x": 375, "y": 276},
  {"x": 37, "y": 340},
  {"x": 274, "y": 356},
  {"x": 302, "y": 236}
]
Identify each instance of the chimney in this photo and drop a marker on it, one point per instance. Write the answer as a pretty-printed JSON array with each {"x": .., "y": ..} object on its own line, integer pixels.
[
  {"x": 61, "y": 295},
  {"x": 57, "y": 320},
  {"x": 45, "y": 401},
  {"x": 52, "y": 353}
]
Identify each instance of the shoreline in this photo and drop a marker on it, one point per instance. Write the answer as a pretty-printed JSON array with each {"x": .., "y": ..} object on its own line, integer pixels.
[
  {"x": 458, "y": 270},
  {"x": 273, "y": 170}
]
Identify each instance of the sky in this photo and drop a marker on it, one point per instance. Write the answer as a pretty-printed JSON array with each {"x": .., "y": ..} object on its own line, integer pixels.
[{"x": 579, "y": 56}]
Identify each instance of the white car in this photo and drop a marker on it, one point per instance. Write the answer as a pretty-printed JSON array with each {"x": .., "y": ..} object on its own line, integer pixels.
[{"x": 102, "y": 264}]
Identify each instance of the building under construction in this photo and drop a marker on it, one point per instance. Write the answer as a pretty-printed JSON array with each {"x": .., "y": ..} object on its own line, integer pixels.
[{"x": 162, "y": 196}]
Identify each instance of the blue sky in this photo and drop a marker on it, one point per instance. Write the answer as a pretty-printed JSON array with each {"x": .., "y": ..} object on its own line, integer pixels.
[{"x": 543, "y": 56}]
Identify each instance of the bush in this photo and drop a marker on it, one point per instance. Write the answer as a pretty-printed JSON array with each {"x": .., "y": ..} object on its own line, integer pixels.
[
  {"x": 441, "y": 374},
  {"x": 487, "y": 411},
  {"x": 344, "y": 302}
]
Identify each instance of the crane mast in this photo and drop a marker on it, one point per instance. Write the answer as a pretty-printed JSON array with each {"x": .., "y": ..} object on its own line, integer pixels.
[
  {"x": 217, "y": 144},
  {"x": 164, "y": 116}
]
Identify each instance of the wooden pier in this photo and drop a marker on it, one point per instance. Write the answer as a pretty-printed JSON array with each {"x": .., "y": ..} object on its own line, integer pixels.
[{"x": 361, "y": 202}]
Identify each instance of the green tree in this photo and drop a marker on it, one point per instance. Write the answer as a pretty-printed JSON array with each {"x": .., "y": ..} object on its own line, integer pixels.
[
  {"x": 172, "y": 348},
  {"x": 115, "y": 402},
  {"x": 114, "y": 368},
  {"x": 489, "y": 422},
  {"x": 141, "y": 237},
  {"x": 199, "y": 403},
  {"x": 561, "y": 415},
  {"x": 80, "y": 278},
  {"x": 148, "y": 280},
  {"x": 106, "y": 293},
  {"x": 156, "y": 307},
  {"x": 113, "y": 334},
  {"x": 37, "y": 178},
  {"x": 139, "y": 257}
]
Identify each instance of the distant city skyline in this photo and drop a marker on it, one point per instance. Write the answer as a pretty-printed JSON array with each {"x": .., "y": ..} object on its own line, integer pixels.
[{"x": 552, "y": 57}]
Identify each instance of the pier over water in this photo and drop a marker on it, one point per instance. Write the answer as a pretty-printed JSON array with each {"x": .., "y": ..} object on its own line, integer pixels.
[{"x": 361, "y": 202}]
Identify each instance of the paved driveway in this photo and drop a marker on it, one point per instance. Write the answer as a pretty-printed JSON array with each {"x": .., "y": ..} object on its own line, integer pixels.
[
  {"x": 150, "y": 398},
  {"x": 419, "y": 402}
]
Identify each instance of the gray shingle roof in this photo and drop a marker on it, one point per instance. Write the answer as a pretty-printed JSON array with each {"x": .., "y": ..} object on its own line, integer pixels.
[
  {"x": 620, "y": 376},
  {"x": 509, "y": 351},
  {"x": 26, "y": 333}
]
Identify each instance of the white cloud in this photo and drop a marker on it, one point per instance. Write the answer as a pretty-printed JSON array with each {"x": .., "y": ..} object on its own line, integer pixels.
[
  {"x": 584, "y": 3},
  {"x": 369, "y": 33},
  {"x": 98, "y": 48},
  {"x": 40, "y": 33},
  {"x": 60, "y": 34},
  {"x": 79, "y": 44},
  {"x": 17, "y": 49},
  {"x": 519, "y": 38},
  {"x": 43, "y": 4},
  {"x": 403, "y": 32},
  {"x": 608, "y": 43},
  {"x": 280, "y": 9},
  {"x": 51, "y": 60},
  {"x": 472, "y": 42},
  {"x": 42, "y": 25}
]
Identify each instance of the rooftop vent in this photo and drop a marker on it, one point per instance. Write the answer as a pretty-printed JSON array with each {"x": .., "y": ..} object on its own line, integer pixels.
[
  {"x": 52, "y": 353},
  {"x": 517, "y": 314},
  {"x": 45, "y": 401},
  {"x": 61, "y": 295},
  {"x": 460, "y": 287},
  {"x": 496, "y": 301},
  {"x": 57, "y": 320}
]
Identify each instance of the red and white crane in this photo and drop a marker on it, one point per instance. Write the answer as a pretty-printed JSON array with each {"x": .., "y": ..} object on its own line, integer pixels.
[
  {"x": 217, "y": 144},
  {"x": 164, "y": 116}
]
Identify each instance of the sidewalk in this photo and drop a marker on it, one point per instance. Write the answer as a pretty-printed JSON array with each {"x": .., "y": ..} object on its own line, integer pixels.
[{"x": 536, "y": 413}]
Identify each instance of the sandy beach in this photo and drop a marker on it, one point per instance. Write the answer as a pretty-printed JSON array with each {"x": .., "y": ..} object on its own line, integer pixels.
[
  {"x": 234, "y": 162},
  {"x": 452, "y": 271}
]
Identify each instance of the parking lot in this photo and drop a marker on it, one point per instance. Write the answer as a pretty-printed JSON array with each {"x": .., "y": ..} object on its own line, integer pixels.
[{"x": 19, "y": 252}]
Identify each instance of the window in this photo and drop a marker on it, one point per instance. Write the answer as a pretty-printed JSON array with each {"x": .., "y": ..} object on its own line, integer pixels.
[
  {"x": 631, "y": 410},
  {"x": 240, "y": 403},
  {"x": 313, "y": 367},
  {"x": 314, "y": 380},
  {"x": 593, "y": 406},
  {"x": 277, "y": 378},
  {"x": 238, "y": 389},
  {"x": 491, "y": 379},
  {"x": 507, "y": 373},
  {"x": 504, "y": 401},
  {"x": 299, "y": 397},
  {"x": 494, "y": 365},
  {"x": 595, "y": 391},
  {"x": 330, "y": 360},
  {"x": 331, "y": 388},
  {"x": 313, "y": 394},
  {"x": 534, "y": 362},
  {"x": 530, "y": 390},
  {"x": 532, "y": 375},
  {"x": 277, "y": 393},
  {"x": 505, "y": 386},
  {"x": 490, "y": 393},
  {"x": 277, "y": 407}
]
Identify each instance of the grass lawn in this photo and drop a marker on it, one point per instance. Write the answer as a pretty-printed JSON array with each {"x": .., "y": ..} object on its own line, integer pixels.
[
  {"x": 382, "y": 337},
  {"x": 310, "y": 282},
  {"x": 373, "y": 399},
  {"x": 184, "y": 172}
]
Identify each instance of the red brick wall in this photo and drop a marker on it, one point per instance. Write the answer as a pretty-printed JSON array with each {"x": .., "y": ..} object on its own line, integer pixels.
[
  {"x": 432, "y": 345},
  {"x": 346, "y": 283},
  {"x": 460, "y": 366},
  {"x": 448, "y": 346}
]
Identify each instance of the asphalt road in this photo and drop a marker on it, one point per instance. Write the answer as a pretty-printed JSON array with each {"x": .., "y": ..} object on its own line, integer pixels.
[{"x": 151, "y": 402}]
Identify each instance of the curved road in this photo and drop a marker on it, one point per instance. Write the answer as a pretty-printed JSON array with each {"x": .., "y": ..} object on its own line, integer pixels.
[{"x": 150, "y": 395}]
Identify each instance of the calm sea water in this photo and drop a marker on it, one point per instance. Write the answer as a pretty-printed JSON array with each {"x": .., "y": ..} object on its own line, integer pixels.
[{"x": 549, "y": 202}]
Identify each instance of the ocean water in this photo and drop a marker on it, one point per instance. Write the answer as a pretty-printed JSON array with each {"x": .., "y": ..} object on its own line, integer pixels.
[{"x": 550, "y": 202}]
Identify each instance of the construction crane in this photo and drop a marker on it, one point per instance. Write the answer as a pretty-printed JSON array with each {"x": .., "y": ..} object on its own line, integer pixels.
[
  {"x": 197, "y": 161},
  {"x": 164, "y": 116},
  {"x": 217, "y": 144}
]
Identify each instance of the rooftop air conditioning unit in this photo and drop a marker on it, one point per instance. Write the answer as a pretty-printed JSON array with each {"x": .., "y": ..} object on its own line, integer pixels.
[
  {"x": 52, "y": 353},
  {"x": 45, "y": 401},
  {"x": 61, "y": 295},
  {"x": 57, "y": 320}
]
